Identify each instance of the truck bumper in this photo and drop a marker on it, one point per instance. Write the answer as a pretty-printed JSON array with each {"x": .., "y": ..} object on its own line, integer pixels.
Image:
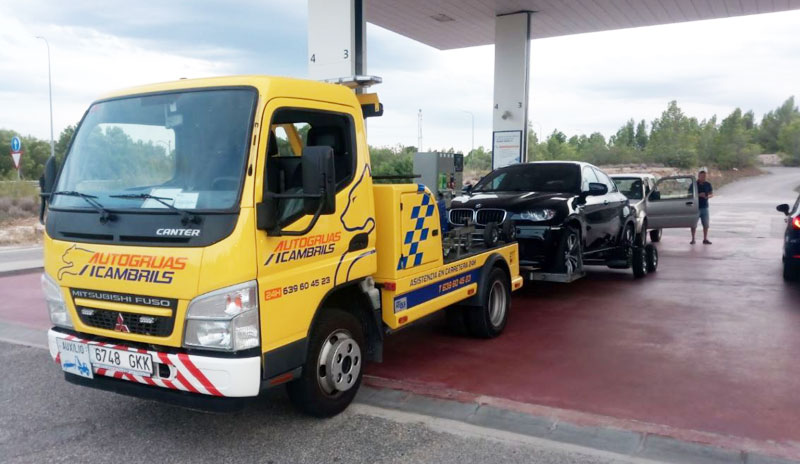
[{"x": 206, "y": 376}]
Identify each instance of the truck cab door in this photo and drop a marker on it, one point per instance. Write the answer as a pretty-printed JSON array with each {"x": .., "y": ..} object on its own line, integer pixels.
[
  {"x": 672, "y": 203},
  {"x": 299, "y": 264}
]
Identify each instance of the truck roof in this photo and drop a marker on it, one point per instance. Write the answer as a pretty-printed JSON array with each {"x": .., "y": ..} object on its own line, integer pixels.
[{"x": 264, "y": 84}]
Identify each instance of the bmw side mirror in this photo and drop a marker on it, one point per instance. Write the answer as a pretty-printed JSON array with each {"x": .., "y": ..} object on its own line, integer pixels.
[
  {"x": 597, "y": 189},
  {"x": 466, "y": 189},
  {"x": 784, "y": 208}
]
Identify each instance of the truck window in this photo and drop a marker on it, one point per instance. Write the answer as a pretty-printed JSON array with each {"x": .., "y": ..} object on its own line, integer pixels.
[
  {"x": 291, "y": 131},
  {"x": 188, "y": 147}
]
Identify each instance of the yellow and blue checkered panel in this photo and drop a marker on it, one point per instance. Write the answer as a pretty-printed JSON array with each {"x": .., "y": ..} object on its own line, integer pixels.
[{"x": 417, "y": 226}]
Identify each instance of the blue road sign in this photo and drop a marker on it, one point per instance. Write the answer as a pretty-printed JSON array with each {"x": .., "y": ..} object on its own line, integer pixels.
[{"x": 16, "y": 143}]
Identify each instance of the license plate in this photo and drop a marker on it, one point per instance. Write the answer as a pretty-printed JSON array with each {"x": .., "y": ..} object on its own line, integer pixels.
[
  {"x": 122, "y": 360},
  {"x": 75, "y": 358}
]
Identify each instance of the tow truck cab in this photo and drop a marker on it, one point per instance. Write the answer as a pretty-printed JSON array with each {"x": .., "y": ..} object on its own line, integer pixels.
[{"x": 209, "y": 238}]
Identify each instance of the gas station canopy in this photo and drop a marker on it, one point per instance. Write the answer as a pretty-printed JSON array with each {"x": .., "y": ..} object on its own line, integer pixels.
[{"x": 448, "y": 24}]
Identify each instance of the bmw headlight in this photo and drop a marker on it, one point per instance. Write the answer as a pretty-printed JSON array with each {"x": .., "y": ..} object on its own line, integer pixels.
[
  {"x": 537, "y": 215},
  {"x": 225, "y": 319},
  {"x": 54, "y": 300}
]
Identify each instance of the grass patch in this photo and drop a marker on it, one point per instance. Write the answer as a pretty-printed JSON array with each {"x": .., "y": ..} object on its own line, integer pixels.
[{"x": 18, "y": 200}]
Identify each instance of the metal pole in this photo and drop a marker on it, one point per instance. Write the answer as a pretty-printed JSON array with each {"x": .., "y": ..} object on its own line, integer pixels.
[
  {"x": 419, "y": 131},
  {"x": 472, "y": 117},
  {"x": 50, "y": 90}
]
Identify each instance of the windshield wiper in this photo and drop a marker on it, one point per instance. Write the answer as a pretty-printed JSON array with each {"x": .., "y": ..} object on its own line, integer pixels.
[
  {"x": 105, "y": 215},
  {"x": 186, "y": 216}
]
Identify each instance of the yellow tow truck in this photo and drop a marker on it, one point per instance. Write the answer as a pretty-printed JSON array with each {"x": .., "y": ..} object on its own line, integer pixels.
[{"x": 207, "y": 239}]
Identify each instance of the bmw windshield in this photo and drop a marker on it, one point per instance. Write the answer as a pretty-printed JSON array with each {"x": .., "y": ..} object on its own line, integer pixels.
[
  {"x": 532, "y": 177},
  {"x": 188, "y": 149}
]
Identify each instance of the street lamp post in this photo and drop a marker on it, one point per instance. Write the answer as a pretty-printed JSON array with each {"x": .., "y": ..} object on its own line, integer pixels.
[
  {"x": 50, "y": 88},
  {"x": 472, "y": 118}
]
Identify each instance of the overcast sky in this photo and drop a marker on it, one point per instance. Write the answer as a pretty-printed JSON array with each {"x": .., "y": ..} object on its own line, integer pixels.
[{"x": 579, "y": 84}]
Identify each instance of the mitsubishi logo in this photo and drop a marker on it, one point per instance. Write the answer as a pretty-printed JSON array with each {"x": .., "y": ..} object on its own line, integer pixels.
[{"x": 121, "y": 327}]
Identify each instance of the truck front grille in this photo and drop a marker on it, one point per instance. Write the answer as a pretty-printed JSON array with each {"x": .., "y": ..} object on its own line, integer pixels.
[
  {"x": 140, "y": 324},
  {"x": 486, "y": 216},
  {"x": 93, "y": 310}
]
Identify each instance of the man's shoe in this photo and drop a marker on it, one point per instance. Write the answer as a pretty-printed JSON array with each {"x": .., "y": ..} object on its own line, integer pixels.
[
  {"x": 706, "y": 242},
  {"x": 691, "y": 243}
]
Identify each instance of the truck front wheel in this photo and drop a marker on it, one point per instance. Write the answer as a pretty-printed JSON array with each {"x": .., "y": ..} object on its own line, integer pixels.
[
  {"x": 489, "y": 319},
  {"x": 333, "y": 368}
]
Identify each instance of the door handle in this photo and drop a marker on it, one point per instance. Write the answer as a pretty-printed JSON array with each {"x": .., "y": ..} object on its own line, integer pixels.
[
  {"x": 605, "y": 202},
  {"x": 689, "y": 203}
]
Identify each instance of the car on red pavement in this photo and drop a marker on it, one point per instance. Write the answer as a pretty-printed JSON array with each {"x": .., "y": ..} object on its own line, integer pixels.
[
  {"x": 563, "y": 214},
  {"x": 791, "y": 241}
]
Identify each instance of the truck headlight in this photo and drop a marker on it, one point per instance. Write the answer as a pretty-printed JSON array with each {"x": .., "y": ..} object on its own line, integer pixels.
[
  {"x": 225, "y": 319},
  {"x": 54, "y": 300},
  {"x": 538, "y": 215}
]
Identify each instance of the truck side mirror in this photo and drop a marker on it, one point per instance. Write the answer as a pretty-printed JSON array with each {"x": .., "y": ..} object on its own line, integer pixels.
[
  {"x": 319, "y": 182},
  {"x": 655, "y": 196},
  {"x": 784, "y": 208},
  {"x": 46, "y": 183}
]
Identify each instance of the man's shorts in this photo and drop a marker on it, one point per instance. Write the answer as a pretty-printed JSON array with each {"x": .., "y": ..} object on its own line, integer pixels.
[{"x": 702, "y": 216}]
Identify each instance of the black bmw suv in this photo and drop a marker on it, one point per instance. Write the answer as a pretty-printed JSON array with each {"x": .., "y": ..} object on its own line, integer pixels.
[{"x": 564, "y": 214}]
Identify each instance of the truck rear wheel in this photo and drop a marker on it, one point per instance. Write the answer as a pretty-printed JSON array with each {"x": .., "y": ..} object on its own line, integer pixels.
[
  {"x": 489, "y": 319},
  {"x": 334, "y": 366}
]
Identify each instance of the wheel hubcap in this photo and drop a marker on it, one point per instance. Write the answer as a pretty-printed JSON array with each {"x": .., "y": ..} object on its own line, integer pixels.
[
  {"x": 571, "y": 254},
  {"x": 497, "y": 303},
  {"x": 339, "y": 362}
]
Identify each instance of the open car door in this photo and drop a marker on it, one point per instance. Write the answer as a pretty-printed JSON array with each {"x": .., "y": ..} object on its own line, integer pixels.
[{"x": 672, "y": 203}]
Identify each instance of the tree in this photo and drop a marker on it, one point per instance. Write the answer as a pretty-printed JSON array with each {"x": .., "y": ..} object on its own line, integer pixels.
[
  {"x": 641, "y": 136},
  {"x": 773, "y": 122},
  {"x": 625, "y": 136},
  {"x": 789, "y": 142},
  {"x": 673, "y": 139},
  {"x": 733, "y": 147}
]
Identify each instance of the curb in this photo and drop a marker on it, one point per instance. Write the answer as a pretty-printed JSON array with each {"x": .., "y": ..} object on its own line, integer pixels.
[
  {"x": 24, "y": 270},
  {"x": 625, "y": 437}
]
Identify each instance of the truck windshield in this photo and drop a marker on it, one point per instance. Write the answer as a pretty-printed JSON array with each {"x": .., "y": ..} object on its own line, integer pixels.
[
  {"x": 188, "y": 148},
  {"x": 631, "y": 187},
  {"x": 550, "y": 177}
]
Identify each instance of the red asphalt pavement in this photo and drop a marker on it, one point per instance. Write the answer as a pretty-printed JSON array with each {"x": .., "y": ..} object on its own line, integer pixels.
[{"x": 710, "y": 344}]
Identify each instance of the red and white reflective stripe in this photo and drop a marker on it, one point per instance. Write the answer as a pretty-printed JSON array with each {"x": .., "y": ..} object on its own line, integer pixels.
[{"x": 187, "y": 376}]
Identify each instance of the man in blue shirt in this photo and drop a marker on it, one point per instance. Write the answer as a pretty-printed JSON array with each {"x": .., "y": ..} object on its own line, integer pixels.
[{"x": 704, "y": 192}]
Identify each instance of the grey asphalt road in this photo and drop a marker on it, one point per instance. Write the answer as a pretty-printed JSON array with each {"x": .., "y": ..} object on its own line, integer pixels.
[
  {"x": 45, "y": 419},
  {"x": 26, "y": 253}
]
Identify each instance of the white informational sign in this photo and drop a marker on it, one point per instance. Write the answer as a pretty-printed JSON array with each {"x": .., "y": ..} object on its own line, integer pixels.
[
  {"x": 506, "y": 148},
  {"x": 332, "y": 26}
]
